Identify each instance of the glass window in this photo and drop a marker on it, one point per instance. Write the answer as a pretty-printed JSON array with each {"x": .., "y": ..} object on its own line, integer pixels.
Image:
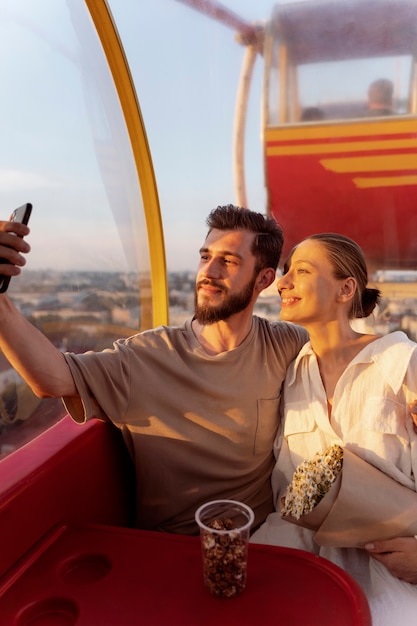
[
  {"x": 65, "y": 148},
  {"x": 322, "y": 58},
  {"x": 319, "y": 85}
]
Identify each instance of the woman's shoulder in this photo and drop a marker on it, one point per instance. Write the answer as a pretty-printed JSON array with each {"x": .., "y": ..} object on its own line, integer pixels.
[{"x": 396, "y": 339}]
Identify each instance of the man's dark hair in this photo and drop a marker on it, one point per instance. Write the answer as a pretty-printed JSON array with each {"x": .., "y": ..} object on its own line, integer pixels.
[{"x": 267, "y": 245}]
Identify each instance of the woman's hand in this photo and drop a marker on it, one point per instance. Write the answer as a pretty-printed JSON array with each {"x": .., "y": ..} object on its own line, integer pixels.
[{"x": 398, "y": 555}]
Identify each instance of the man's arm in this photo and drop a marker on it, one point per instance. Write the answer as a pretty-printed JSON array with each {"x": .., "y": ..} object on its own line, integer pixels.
[
  {"x": 33, "y": 356},
  {"x": 398, "y": 555}
]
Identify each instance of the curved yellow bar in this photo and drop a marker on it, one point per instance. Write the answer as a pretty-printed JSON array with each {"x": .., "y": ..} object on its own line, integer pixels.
[{"x": 119, "y": 68}]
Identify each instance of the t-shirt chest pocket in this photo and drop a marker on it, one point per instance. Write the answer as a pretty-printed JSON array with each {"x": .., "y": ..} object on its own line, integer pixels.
[{"x": 266, "y": 425}]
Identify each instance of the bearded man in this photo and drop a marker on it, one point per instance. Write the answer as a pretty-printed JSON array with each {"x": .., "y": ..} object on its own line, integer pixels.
[{"x": 198, "y": 404}]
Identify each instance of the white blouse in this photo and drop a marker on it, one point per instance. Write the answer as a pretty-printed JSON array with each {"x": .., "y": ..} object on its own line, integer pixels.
[{"x": 370, "y": 416}]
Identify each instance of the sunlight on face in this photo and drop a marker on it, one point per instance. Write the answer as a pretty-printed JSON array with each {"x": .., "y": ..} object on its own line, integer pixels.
[{"x": 308, "y": 288}]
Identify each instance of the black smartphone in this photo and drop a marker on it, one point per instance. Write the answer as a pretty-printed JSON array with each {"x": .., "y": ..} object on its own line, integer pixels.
[{"x": 21, "y": 214}]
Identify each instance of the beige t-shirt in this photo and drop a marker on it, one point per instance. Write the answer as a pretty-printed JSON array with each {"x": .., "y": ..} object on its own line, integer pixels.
[{"x": 198, "y": 427}]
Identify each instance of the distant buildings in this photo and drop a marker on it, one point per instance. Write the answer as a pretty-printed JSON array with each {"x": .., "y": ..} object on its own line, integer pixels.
[{"x": 82, "y": 311}]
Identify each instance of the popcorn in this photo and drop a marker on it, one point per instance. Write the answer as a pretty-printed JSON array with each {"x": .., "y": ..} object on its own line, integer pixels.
[{"x": 225, "y": 558}]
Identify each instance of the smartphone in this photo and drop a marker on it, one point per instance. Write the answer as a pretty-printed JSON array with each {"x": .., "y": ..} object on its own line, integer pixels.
[{"x": 21, "y": 214}]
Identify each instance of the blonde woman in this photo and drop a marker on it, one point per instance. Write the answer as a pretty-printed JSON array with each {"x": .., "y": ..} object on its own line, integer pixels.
[{"x": 350, "y": 389}]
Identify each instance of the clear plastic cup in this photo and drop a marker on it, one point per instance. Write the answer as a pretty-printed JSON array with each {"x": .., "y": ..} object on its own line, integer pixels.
[{"x": 224, "y": 531}]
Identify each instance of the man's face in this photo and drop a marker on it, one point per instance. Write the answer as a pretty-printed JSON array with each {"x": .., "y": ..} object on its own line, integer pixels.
[{"x": 226, "y": 276}]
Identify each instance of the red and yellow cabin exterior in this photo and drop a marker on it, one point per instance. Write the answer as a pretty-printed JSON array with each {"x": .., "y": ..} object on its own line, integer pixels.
[
  {"x": 340, "y": 168},
  {"x": 358, "y": 178}
]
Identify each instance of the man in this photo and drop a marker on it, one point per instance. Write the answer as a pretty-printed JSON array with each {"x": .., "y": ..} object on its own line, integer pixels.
[
  {"x": 198, "y": 405},
  {"x": 380, "y": 97}
]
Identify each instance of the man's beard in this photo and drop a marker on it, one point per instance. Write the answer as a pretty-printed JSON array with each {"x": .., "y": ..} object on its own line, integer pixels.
[{"x": 207, "y": 314}]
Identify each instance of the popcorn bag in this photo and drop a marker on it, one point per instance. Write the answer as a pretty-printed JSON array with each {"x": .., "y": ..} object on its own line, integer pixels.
[{"x": 362, "y": 505}]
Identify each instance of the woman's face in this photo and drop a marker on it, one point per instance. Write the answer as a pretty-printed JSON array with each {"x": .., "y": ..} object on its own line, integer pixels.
[{"x": 309, "y": 291}]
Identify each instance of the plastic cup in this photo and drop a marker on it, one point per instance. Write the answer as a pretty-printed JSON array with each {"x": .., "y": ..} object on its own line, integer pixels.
[{"x": 224, "y": 532}]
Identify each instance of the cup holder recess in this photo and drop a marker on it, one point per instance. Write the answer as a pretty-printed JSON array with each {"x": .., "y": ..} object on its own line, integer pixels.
[
  {"x": 49, "y": 612},
  {"x": 85, "y": 569}
]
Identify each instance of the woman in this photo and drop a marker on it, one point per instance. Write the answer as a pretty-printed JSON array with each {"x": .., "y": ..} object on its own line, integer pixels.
[{"x": 344, "y": 388}]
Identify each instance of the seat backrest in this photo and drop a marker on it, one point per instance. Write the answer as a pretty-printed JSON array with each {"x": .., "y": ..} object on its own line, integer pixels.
[{"x": 70, "y": 473}]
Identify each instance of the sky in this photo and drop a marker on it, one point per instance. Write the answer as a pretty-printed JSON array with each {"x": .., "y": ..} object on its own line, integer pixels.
[{"x": 185, "y": 68}]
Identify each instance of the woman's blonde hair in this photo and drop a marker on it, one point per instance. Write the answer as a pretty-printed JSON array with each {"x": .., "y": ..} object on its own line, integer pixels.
[{"x": 348, "y": 260}]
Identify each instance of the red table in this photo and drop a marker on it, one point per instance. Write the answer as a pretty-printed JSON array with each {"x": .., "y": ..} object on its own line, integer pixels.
[{"x": 106, "y": 576}]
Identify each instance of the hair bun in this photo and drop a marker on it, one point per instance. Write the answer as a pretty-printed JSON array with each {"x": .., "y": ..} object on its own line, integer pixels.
[{"x": 370, "y": 299}]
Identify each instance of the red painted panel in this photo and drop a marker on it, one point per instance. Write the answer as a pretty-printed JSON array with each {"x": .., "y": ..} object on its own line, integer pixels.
[
  {"x": 306, "y": 197},
  {"x": 69, "y": 473},
  {"x": 96, "y": 575}
]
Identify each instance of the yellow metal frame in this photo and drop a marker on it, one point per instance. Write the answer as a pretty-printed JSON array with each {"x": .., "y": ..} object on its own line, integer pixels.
[{"x": 113, "y": 49}]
